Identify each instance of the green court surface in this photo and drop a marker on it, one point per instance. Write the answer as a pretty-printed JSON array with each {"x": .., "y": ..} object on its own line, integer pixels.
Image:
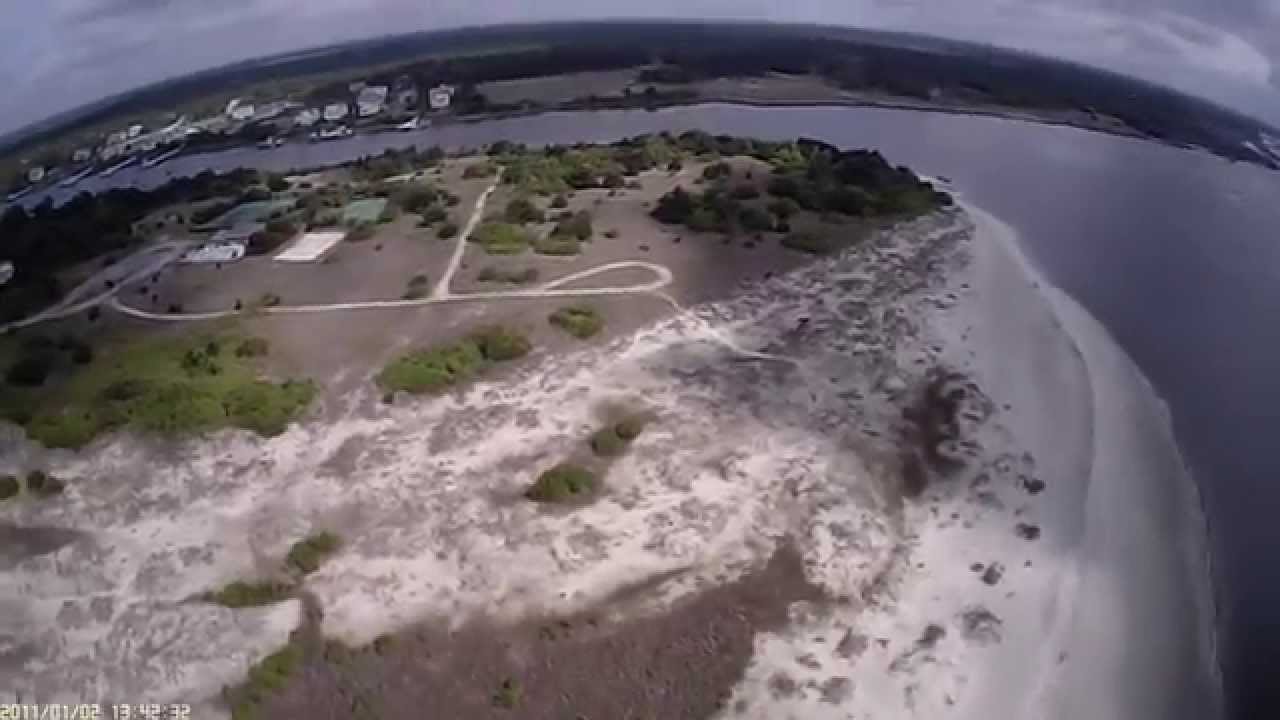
[
  {"x": 250, "y": 212},
  {"x": 364, "y": 211}
]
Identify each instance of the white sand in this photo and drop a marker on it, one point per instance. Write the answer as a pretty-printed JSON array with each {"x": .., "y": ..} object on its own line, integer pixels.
[{"x": 747, "y": 450}]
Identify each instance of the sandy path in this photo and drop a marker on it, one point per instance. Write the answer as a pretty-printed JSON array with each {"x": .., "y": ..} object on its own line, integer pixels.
[{"x": 441, "y": 290}]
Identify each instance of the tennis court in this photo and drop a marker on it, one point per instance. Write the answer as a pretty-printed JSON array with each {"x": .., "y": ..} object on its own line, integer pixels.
[{"x": 364, "y": 211}]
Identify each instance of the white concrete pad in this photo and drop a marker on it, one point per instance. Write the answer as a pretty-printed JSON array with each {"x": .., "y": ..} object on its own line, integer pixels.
[{"x": 310, "y": 247}]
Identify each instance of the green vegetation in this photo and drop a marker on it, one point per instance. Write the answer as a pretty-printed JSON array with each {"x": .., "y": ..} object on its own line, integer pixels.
[
  {"x": 434, "y": 214},
  {"x": 447, "y": 231},
  {"x": 560, "y": 245},
  {"x": 393, "y": 162},
  {"x": 614, "y": 440},
  {"x": 509, "y": 694},
  {"x": 265, "y": 678},
  {"x": 168, "y": 386},
  {"x": 808, "y": 242},
  {"x": 365, "y": 211},
  {"x": 576, "y": 226},
  {"x": 240, "y": 594},
  {"x": 306, "y": 555},
  {"x": 361, "y": 232},
  {"x": 436, "y": 369},
  {"x": 416, "y": 197},
  {"x": 9, "y": 487},
  {"x": 252, "y": 347},
  {"x": 43, "y": 484},
  {"x": 521, "y": 211},
  {"x": 561, "y": 483},
  {"x": 579, "y": 321},
  {"x": 479, "y": 170},
  {"x": 418, "y": 288},
  {"x": 512, "y": 277},
  {"x": 556, "y": 170},
  {"x": 500, "y": 238},
  {"x": 560, "y": 202}
]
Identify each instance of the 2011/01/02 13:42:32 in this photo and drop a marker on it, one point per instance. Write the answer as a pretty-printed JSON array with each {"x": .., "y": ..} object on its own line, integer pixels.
[{"x": 135, "y": 711}]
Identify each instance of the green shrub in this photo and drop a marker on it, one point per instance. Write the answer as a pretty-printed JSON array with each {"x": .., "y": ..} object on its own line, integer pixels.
[
  {"x": 606, "y": 442},
  {"x": 807, "y": 242},
  {"x": 630, "y": 428},
  {"x": 252, "y": 347},
  {"x": 521, "y": 211},
  {"x": 513, "y": 277},
  {"x": 611, "y": 233},
  {"x": 479, "y": 170},
  {"x": 508, "y": 695},
  {"x": 754, "y": 219},
  {"x": 31, "y": 369},
  {"x": 276, "y": 183},
  {"x": 783, "y": 208},
  {"x": 498, "y": 344},
  {"x": 447, "y": 231},
  {"x": 560, "y": 245},
  {"x": 361, "y": 232},
  {"x": 745, "y": 191},
  {"x": 561, "y": 483},
  {"x": 267, "y": 408},
  {"x": 240, "y": 594},
  {"x": 560, "y": 202},
  {"x": 43, "y": 484},
  {"x": 432, "y": 370},
  {"x": 579, "y": 321},
  {"x": 307, "y": 554},
  {"x": 434, "y": 214},
  {"x": 717, "y": 170},
  {"x": 9, "y": 487},
  {"x": 578, "y": 226},
  {"x": 500, "y": 238}
]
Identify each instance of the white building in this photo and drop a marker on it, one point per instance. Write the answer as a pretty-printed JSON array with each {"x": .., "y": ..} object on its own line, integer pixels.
[
  {"x": 135, "y": 131},
  {"x": 117, "y": 138},
  {"x": 334, "y": 112},
  {"x": 81, "y": 155},
  {"x": 36, "y": 174},
  {"x": 240, "y": 110},
  {"x": 371, "y": 100},
  {"x": 307, "y": 117},
  {"x": 440, "y": 96},
  {"x": 6, "y": 272}
]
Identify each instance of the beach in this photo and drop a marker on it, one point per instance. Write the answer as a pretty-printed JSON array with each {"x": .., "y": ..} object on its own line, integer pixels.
[{"x": 1043, "y": 557}]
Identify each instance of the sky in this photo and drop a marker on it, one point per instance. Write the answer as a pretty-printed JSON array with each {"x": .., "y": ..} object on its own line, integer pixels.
[{"x": 58, "y": 54}]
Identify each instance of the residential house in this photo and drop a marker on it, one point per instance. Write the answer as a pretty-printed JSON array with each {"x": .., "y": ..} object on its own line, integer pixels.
[
  {"x": 81, "y": 155},
  {"x": 135, "y": 131},
  {"x": 333, "y": 112},
  {"x": 372, "y": 100},
  {"x": 239, "y": 110},
  {"x": 307, "y": 117},
  {"x": 440, "y": 96},
  {"x": 36, "y": 174}
]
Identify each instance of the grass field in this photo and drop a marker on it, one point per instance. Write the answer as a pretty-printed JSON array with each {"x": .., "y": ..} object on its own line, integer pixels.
[{"x": 169, "y": 386}]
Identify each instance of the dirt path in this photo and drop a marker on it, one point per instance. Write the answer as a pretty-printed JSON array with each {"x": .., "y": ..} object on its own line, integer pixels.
[{"x": 441, "y": 290}]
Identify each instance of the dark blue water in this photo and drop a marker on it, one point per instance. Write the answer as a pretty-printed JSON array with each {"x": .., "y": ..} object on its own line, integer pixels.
[{"x": 1175, "y": 252}]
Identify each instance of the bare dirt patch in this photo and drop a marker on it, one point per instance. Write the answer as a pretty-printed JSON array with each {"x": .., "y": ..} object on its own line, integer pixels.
[{"x": 678, "y": 664}]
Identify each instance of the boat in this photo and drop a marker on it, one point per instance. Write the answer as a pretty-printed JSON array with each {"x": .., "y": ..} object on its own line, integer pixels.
[
  {"x": 331, "y": 134},
  {"x": 271, "y": 142},
  {"x": 413, "y": 123},
  {"x": 73, "y": 179},
  {"x": 118, "y": 166},
  {"x": 154, "y": 160}
]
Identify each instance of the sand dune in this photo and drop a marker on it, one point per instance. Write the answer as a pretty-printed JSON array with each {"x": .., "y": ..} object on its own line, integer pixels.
[{"x": 1045, "y": 572}]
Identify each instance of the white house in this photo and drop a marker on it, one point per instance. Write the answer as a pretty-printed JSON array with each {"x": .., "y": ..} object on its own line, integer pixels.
[
  {"x": 371, "y": 100},
  {"x": 135, "y": 131},
  {"x": 238, "y": 109},
  {"x": 307, "y": 117},
  {"x": 440, "y": 96},
  {"x": 334, "y": 112},
  {"x": 6, "y": 272},
  {"x": 36, "y": 174}
]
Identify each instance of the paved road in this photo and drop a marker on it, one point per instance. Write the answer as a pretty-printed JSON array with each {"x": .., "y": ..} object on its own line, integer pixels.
[{"x": 94, "y": 291}]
